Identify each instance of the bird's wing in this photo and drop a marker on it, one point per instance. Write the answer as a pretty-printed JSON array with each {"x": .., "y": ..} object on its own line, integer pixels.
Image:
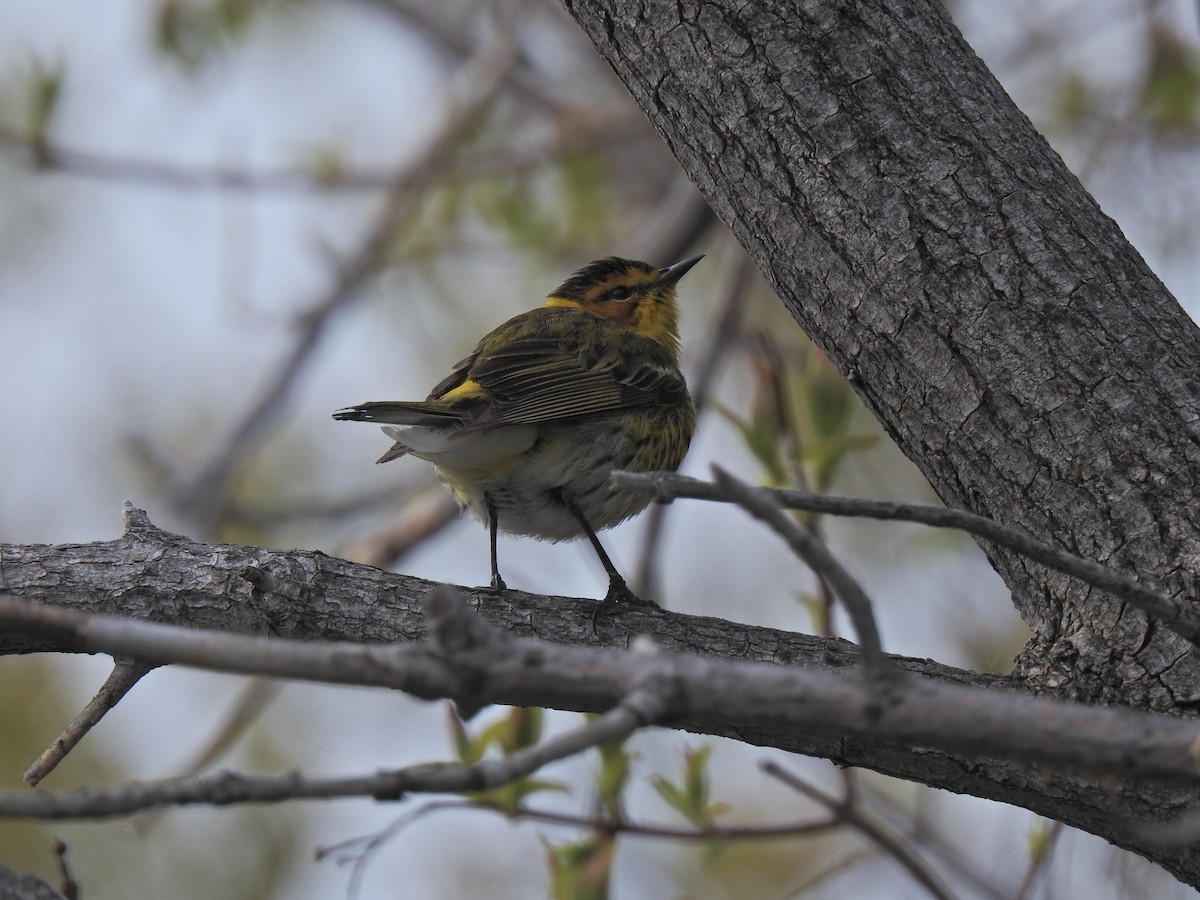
[{"x": 542, "y": 378}]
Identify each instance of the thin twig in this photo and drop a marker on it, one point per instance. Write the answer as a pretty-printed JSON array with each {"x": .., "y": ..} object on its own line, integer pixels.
[
  {"x": 583, "y": 135},
  {"x": 125, "y": 674},
  {"x": 622, "y": 826},
  {"x": 70, "y": 887},
  {"x": 765, "y": 506},
  {"x": 848, "y": 813},
  {"x": 1179, "y": 618},
  {"x": 642, "y": 706},
  {"x": 921, "y": 835}
]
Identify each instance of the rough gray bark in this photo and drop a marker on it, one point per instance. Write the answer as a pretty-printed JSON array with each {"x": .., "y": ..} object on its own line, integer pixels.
[
  {"x": 151, "y": 574},
  {"x": 1011, "y": 341}
]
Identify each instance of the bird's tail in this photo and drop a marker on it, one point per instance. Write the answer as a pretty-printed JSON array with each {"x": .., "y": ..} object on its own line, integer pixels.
[{"x": 431, "y": 413}]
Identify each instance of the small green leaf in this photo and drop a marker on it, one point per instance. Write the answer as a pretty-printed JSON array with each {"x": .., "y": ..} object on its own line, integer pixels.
[
  {"x": 464, "y": 748},
  {"x": 1171, "y": 85},
  {"x": 509, "y": 797},
  {"x": 1075, "y": 101},
  {"x": 674, "y": 797},
  {"x": 763, "y": 438},
  {"x": 192, "y": 32},
  {"x": 492, "y": 734},
  {"x": 696, "y": 772},
  {"x": 326, "y": 165},
  {"x": 522, "y": 728},
  {"x": 690, "y": 798},
  {"x": 830, "y": 402},
  {"x": 582, "y": 869},
  {"x": 615, "y": 763},
  {"x": 585, "y": 187},
  {"x": 45, "y": 92},
  {"x": 822, "y": 459}
]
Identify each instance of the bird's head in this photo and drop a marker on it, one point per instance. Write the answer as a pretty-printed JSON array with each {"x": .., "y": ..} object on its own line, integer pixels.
[{"x": 633, "y": 294}]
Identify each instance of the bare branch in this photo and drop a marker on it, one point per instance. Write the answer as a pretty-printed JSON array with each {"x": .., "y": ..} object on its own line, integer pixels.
[
  {"x": 149, "y": 574},
  {"x": 765, "y": 506},
  {"x": 1181, "y": 619},
  {"x": 847, "y": 812},
  {"x": 583, "y": 135},
  {"x": 644, "y": 704},
  {"x": 54, "y": 157},
  {"x": 476, "y": 664},
  {"x": 125, "y": 674}
]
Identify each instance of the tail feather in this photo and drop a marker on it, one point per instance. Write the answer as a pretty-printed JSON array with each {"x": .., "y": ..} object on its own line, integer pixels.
[
  {"x": 398, "y": 450},
  {"x": 401, "y": 413}
]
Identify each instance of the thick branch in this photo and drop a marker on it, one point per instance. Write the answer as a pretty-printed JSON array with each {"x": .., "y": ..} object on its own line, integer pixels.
[
  {"x": 478, "y": 665},
  {"x": 150, "y": 574},
  {"x": 460, "y": 647}
]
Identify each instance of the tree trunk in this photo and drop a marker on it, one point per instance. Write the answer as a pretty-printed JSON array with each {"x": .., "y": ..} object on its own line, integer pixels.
[{"x": 1008, "y": 337}]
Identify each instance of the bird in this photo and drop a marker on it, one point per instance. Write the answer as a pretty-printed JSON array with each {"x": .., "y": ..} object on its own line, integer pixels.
[{"x": 526, "y": 429}]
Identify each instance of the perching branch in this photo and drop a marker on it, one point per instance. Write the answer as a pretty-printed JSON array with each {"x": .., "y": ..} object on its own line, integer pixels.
[
  {"x": 456, "y": 640},
  {"x": 476, "y": 665},
  {"x": 810, "y": 702}
]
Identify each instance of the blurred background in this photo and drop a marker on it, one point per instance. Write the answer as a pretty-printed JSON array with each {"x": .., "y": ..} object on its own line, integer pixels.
[{"x": 220, "y": 220}]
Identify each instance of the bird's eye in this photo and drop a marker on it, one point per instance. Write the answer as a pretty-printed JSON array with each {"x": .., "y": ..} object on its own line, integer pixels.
[{"x": 619, "y": 293}]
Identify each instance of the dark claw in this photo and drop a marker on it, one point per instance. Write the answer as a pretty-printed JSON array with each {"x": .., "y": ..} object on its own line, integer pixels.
[
  {"x": 619, "y": 592},
  {"x": 618, "y": 598}
]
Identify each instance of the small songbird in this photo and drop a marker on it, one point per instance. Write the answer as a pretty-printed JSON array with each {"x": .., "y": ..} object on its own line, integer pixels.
[{"x": 526, "y": 430}]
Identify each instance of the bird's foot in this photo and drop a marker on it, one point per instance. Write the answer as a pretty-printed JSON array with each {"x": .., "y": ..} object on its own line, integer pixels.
[
  {"x": 618, "y": 598},
  {"x": 619, "y": 592},
  {"x": 498, "y": 584}
]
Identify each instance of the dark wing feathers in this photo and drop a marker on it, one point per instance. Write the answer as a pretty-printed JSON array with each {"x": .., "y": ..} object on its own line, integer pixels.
[
  {"x": 547, "y": 377},
  {"x": 458, "y": 374}
]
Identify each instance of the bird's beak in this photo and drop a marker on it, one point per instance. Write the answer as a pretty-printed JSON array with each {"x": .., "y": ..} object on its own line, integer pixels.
[{"x": 672, "y": 274}]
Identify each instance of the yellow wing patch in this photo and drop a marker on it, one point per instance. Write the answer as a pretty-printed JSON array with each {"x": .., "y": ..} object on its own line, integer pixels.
[{"x": 466, "y": 391}]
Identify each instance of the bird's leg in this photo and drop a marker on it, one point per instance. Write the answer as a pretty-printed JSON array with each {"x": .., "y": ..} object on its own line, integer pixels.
[
  {"x": 493, "y": 527},
  {"x": 618, "y": 590}
]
